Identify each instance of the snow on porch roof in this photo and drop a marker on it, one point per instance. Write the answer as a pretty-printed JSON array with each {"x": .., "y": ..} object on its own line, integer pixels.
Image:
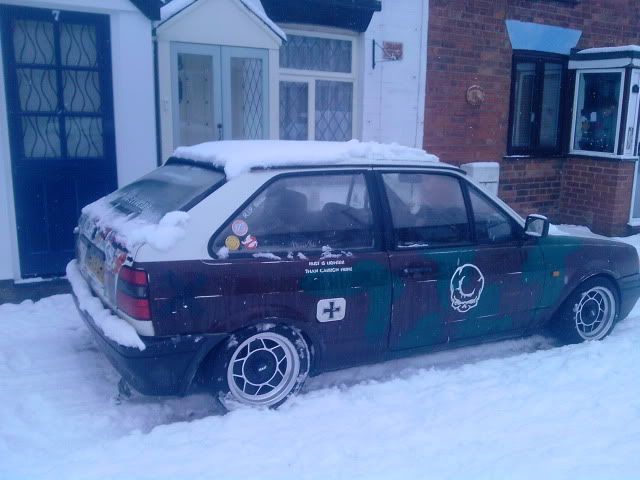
[
  {"x": 174, "y": 7},
  {"x": 606, "y": 57},
  {"x": 239, "y": 156}
]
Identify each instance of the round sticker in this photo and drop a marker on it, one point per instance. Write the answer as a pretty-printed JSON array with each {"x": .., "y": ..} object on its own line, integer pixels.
[
  {"x": 250, "y": 242},
  {"x": 232, "y": 242},
  {"x": 240, "y": 227}
]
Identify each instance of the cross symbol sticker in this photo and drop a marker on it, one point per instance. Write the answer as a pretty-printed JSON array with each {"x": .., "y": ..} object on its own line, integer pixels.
[{"x": 331, "y": 310}]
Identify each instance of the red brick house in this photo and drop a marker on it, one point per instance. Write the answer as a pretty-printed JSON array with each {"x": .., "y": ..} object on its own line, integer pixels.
[{"x": 505, "y": 83}]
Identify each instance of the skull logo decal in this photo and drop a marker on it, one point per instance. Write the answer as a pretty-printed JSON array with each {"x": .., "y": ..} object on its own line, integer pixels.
[{"x": 466, "y": 287}]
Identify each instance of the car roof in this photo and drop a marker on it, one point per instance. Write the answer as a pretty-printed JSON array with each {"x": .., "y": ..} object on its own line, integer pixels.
[
  {"x": 237, "y": 157},
  {"x": 364, "y": 164}
]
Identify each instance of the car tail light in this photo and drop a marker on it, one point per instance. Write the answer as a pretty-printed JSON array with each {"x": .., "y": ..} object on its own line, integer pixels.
[{"x": 133, "y": 293}]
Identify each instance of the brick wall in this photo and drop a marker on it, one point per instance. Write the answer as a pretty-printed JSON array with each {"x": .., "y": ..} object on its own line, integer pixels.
[
  {"x": 468, "y": 45},
  {"x": 603, "y": 185},
  {"x": 532, "y": 185}
]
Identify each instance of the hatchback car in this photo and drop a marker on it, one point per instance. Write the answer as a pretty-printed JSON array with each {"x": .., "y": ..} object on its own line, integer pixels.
[{"x": 293, "y": 258}]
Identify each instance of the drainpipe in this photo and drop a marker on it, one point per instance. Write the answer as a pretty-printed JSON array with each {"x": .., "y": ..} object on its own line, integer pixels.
[{"x": 156, "y": 86}]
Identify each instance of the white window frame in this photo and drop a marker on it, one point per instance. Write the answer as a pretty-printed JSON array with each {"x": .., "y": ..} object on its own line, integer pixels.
[
  {"x": 590, "y": 153},
  {"x": 310, "y": 76}
]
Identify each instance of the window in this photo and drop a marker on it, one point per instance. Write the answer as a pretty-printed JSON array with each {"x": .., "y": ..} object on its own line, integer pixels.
[
  {"x": 536, "y": 104},
  {"x": 597, "y": 111},
  {"x": 301, "y": 214},
  {"x": 168, "y": 188},
  {"x": 317, "y": 87},
  {"x": 492, "y": 225},
  {"x": 426, "y": 209}
]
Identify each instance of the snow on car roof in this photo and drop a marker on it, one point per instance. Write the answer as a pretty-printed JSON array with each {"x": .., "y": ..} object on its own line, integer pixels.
[{"x": 239, "y": 156}]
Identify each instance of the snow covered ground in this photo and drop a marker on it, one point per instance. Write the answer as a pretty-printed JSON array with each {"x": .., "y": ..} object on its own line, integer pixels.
[{"x": 517, "y": 409}]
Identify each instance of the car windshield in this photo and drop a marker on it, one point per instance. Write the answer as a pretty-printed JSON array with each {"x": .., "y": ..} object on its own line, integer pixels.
[{"x": 168, "y": 188}]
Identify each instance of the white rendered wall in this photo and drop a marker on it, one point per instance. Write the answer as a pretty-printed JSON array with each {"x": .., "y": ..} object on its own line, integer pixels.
[
  {"x": 134, "y": 108},
  {"x": 133, "y": 95},
  {"x": 393, "y": 96}
]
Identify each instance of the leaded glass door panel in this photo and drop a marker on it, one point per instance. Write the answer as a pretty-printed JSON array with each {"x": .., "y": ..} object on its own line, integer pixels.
[
  {"x": 244, "y": 90},
  {"x": 58, "y": 86}
]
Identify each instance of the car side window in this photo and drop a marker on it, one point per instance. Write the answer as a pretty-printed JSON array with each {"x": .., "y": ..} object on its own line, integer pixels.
[
  {"x": 492, "y": 224},
  {"x": 426, "y": 209},
  {"x": 301, "y": 214}
]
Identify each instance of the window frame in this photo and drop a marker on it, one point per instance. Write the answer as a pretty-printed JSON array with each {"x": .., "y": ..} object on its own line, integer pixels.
[
  {"x": 539, "y": 59},
  {"x": 311, "y": 76},
  {"x": 374, "y": 201},
  {"x": 390, "y": 237},
  {"x": 516, "y": 227},
  {"x": 589, "y": 153}
]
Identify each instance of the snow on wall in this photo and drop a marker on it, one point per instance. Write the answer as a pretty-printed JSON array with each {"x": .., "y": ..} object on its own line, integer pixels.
[{"x": 393, "y": 92}]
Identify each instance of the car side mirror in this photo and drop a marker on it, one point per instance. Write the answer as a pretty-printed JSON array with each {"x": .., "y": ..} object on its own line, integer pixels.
[{"x": 536, "y": 226}]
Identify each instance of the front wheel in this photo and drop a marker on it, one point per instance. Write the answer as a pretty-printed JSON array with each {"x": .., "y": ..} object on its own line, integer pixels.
[
  {"x": 264, "y": 365},
  {"x": 589, "y": 313}
]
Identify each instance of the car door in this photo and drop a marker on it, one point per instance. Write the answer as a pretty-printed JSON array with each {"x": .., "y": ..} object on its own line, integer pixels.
[
  {"x": 306, "y": 249},
  {"x": 513, "y": 268},
  {"x": 448, "y": 283}
]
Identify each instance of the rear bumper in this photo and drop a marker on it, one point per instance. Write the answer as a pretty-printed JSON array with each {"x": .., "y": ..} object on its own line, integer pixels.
[
  {"x": 629, "y": 293},
  {"x": 166, "y": 366}
]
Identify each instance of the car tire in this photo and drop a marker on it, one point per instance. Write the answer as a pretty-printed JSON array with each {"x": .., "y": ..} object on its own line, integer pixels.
[
  {"x": 262, "y": 366},
  {"x": 589, "y": 313}
]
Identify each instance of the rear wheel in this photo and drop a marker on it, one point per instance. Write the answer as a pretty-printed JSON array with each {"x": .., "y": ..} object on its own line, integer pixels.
[
  {"x": 263, "y": 366},
  {"x": 590, "y": 313}
]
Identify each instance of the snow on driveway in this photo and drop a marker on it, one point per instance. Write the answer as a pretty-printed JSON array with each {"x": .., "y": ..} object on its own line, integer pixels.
[{"x": 517, "y": 409}]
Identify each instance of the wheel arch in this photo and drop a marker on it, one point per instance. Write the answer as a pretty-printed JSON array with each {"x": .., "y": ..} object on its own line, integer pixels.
[
  {"x": 204, "y": 360},
  {"x": 567, "y": 294}
]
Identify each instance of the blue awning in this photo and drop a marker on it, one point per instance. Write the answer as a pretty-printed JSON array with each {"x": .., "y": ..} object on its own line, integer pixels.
[{"x": 542, "y": 38}]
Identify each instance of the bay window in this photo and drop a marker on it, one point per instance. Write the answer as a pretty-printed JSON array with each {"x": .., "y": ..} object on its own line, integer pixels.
[
  {"x": 606, "y": 102},
  {"x": 597, "y": 110}
]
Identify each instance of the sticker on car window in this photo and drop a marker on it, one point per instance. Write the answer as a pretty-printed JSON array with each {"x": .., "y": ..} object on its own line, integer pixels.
[
  {"x": 466, "y": 286},
  {"x": 250, "y": 243},
  {"x": 239, "y": 227},
  {"x": 232, "y": 242}
]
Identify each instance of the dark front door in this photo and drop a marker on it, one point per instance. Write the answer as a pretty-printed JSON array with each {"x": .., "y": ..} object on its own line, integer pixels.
[{"x": 60, "y": 110}]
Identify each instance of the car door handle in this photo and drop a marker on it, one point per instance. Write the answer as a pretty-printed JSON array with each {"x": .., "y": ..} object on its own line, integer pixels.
[{"x": 416, "y": 271}]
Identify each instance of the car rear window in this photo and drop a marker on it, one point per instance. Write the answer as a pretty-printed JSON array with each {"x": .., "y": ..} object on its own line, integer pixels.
[{"x": 168, "y": 188}]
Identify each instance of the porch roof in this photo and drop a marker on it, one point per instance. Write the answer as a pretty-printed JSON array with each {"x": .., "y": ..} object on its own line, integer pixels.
[{"x": 150, "y": 8}]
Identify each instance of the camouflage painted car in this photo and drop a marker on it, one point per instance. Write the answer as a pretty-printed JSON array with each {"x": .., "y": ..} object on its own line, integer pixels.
[{"x": 292, "y": 270}]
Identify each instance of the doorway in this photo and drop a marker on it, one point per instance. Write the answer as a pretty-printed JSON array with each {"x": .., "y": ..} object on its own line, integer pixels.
[
  {"x": 219, "y": 93},
  {"x": 57, "y": 67}
]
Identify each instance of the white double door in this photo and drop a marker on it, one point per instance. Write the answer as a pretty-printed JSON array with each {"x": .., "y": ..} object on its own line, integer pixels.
[{"x": 219, "y": 93}]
